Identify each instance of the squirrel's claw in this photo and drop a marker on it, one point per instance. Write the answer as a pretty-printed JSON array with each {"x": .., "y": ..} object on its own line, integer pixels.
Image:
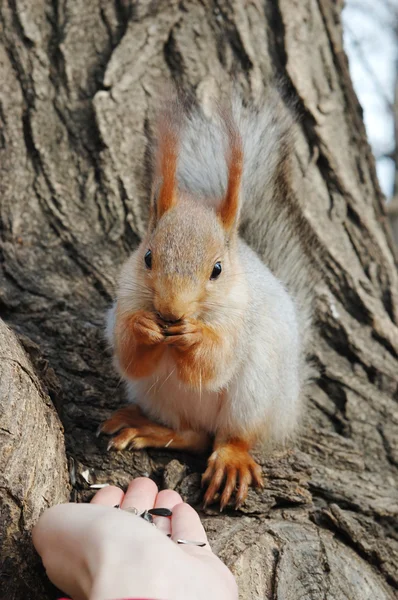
[
  {"x": 215, "y": 479},
  {"x": 110, "y": 445},
  {"x": 128, "y": 437},
  {"x": 229, "y": 488}
]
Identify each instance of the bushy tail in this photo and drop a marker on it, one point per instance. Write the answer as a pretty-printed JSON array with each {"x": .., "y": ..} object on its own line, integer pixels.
[{"x": 271, "y": 219}]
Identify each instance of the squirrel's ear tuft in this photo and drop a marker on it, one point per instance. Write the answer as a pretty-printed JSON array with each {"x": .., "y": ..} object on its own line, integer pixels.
[
  {"x": 166, "y": 167},
  {"x": 228, "y": 210}
]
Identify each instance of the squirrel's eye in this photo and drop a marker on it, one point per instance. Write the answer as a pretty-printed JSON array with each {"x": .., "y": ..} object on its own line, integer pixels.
[
  {"x": 216, "y": 271},
  {"x": 148, "y": 259}
]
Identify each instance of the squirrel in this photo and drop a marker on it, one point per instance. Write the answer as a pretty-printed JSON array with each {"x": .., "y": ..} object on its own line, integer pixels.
[{"x": 210, "y": 337}]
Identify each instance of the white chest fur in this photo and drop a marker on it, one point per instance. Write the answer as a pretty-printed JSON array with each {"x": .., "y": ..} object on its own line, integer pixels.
[{"x": 168, "y": 400}]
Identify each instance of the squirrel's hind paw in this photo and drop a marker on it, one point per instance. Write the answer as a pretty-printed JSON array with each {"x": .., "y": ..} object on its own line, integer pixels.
[
  {"x": 128, "y": 416},
  {"x": 135, "y": 439},
  {"x": 237, "y": 469},
  {"x": 133, "y": 429}
]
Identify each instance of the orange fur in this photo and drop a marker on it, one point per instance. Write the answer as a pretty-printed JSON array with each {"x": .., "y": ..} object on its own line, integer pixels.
[
  {"x": 138, "y": 432},
  {"x": 193, "y": 346},
  {"x": 137, "y": 343},
  {"x": 168, "y": 168},
  {"x": 232, "y": 463},
  {"x": 228, "y": 211}
]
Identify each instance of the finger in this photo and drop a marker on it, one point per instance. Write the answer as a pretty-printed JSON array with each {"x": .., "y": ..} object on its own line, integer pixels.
[
  {"x": 186, "y": 525},
  {"x": 141, "y": 494},
  {"x": 166, "y": 499},
  {"x": 108, "y": 496}
]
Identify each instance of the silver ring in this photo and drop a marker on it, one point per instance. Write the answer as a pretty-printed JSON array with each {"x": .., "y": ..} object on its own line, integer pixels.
[
  {"x": 153, "y": 512},
  {"x": 146, "y": 515},
  {"x": 192, "y": 543},
  {"x": 131, "y": 509}
]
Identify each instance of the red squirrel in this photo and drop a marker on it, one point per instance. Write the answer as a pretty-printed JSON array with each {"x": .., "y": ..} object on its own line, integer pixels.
[{"x": 210, "y": 338}]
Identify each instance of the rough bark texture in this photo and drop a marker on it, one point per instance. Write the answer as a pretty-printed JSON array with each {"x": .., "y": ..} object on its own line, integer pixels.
[
  {"x": 392, "y": 206},
  {"x": 80, "y": 83},
  {"x": 33, "y": 468}
]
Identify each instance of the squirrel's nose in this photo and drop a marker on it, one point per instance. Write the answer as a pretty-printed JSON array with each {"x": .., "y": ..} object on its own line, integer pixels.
[{"x": 169, "y": 317}]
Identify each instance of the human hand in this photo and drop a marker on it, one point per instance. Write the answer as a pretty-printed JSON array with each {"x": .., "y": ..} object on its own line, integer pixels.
[{"x": 95, "y": 552}]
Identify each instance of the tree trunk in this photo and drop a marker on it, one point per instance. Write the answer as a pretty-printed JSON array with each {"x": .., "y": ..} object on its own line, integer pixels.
[
  {"x": 392, "y": 206},
  {"x": 80, "y": 80},
  {"x": 33, "y": 473}
]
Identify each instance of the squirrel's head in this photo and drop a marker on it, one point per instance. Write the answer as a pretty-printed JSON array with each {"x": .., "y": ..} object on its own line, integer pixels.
[{"x": 188, "y": 258}]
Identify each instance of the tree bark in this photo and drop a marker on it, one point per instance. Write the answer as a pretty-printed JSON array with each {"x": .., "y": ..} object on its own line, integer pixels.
[
  {"x": 80, "y": 81},
  {"x": 392, "y": 206},
  {"x": 33, "y": 470}
]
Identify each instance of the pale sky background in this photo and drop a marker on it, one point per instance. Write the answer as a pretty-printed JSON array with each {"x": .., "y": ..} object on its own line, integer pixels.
[{"x": 371, "y": 43}]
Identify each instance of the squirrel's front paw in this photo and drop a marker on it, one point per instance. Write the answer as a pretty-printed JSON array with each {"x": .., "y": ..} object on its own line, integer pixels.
[
  {"x": 145, "y": 327},
  {"x": 183, "y": 335}
]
